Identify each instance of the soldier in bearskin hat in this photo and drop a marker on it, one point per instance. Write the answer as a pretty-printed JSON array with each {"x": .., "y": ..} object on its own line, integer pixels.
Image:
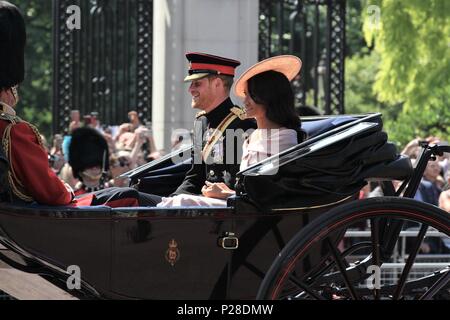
[
  {"x": 88, "y": 157},
  {"x": 29, "y": 176}
]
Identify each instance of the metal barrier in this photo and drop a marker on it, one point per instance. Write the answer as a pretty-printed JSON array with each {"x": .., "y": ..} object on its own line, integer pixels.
[{"x": 426, "y": 264}]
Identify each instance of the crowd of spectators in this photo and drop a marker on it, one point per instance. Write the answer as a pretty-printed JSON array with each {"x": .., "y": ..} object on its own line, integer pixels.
[
  {"x": 130, "y": 145},
  {"x": 434, "y": 188}
]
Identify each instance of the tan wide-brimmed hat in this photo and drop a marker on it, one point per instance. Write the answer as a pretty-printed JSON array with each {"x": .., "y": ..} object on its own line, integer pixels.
[{"x": 288, "y": 65}]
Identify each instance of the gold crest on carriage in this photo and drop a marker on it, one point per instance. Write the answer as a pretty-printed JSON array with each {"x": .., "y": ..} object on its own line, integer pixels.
[{"x": 173, "y": 254}]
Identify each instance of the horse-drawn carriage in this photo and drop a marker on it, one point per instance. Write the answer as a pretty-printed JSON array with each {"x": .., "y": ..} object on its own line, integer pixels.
[{"x": 283, "y": 236}]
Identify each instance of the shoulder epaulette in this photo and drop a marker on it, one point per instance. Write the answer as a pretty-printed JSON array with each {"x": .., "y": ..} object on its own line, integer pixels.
[
  {"x": 7, "y": 113},
  {"x": 239, "y": 112},
  {"x": 200, "y": 114},
  {"x": 17, "y": 187}
]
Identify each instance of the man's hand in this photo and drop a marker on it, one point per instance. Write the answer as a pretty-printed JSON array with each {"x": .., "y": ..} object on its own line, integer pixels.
[
  {"x": 217, "y": 190},
  {"x": 69, "y": 188}
]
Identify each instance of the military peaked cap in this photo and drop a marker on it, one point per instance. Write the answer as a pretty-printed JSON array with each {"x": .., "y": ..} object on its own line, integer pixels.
[{"x": 202, "y": 65}]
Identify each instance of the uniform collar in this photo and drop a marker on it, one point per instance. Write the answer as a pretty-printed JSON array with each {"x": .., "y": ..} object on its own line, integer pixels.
[
  {"x": 216, "y": 116},
  {"x": 4, "y": 108}
]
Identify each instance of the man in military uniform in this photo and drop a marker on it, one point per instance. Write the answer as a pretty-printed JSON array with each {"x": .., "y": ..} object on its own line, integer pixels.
[
  {"x": 211, "y": 78},
  {"x": 26, "y": 176}
]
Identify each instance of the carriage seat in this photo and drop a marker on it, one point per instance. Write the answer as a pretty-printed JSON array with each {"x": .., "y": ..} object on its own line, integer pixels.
[
  {"x": 398, "y": 169},
  {"x": 326, "y": 168},
  {"x": 314, "y": 127}
]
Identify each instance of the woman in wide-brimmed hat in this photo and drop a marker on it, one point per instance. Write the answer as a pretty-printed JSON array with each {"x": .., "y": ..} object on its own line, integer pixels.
[{"x": 268, "y": 97}]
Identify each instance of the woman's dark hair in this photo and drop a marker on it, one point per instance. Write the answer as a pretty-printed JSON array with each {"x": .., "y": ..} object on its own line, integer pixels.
[
  {"x": 12, "y": 45},
  {"x": 273, "y": 90}
]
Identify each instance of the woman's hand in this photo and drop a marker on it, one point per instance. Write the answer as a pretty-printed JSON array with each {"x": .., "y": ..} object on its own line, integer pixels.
[{"x": 217, "y": 190}]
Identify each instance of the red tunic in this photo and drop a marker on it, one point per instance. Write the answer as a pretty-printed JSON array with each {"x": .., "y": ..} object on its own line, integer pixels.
[
  {"x": 33, "y": 179},
  {"x": 29, "y": 162}
]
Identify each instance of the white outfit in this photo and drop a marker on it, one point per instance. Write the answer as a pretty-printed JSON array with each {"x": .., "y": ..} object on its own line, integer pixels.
[
  {"x": 261, "y": 144},
  {"x": 264, "y": 143}
]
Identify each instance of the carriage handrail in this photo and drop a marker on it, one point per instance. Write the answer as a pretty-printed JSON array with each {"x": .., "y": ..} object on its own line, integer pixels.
[
  {"x": 293, "y": 154},
  {"x": 302, "y": 146},
  {"x": 175, "y": 154},
  {"x": 429, "y": 151},
  {"x": 154, "y": 163}
]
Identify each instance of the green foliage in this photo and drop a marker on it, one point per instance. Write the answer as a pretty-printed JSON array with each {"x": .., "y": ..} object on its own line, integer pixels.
[
  {"x": 360, "y": 71},
  {"x": 35, "y": 92},
  {"x": 413, "y": 40},
  {"x": 419, "y": 122},
  {"x": 354, "y": 38}
]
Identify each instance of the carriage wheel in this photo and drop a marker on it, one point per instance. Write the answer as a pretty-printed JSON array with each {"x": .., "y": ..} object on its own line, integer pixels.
[{"x": 320, "y": 263}]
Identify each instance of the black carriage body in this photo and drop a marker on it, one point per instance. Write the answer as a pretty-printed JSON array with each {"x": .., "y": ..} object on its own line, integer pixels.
[
  {"x": 151, "y": 253},
  {"x": 178, "y": 253}
]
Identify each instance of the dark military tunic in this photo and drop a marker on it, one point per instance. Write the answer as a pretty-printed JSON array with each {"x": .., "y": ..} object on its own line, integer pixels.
[{"x": 219, "y": 166}]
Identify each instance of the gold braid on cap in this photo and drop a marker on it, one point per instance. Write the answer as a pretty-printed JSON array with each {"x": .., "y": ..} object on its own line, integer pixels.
[{"x": 16, "y": 185}]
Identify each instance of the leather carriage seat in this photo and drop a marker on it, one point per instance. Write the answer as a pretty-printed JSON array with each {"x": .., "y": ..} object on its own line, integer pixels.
[
  {"x": 166, "y": 179},
  {"x": 316, "y": 127},
  {"x": 399, "y": 169}
]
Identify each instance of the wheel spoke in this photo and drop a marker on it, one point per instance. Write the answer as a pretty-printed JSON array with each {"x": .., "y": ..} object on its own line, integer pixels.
[
  {"x": 319, "y": 276},
  {"x": 325, "y": 275},
  {"x": 278, "y": 237},
  {"x": 305, "y": 288},
  {"x": 443, "y": 280},
  {"x": 375, "y": 228},
  {"x": 342, "y": 269},
  {"x": 410, "y": 262}
]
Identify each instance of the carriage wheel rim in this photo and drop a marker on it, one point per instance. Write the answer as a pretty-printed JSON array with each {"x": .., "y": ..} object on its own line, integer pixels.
[{"x": 287, "y": 270}]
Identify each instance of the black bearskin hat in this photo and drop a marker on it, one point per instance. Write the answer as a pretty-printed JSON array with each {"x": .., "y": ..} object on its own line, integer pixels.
[
  {"x": 88, "y": 148},
  {"x": 12, "y": 45}
]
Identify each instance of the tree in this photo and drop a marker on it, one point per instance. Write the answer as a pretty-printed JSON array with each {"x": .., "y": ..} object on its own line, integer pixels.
[
  {"x": 360, "y": 71},
  {"x": 35, "y": 92},
  {"x": 412, "y": 40}
]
